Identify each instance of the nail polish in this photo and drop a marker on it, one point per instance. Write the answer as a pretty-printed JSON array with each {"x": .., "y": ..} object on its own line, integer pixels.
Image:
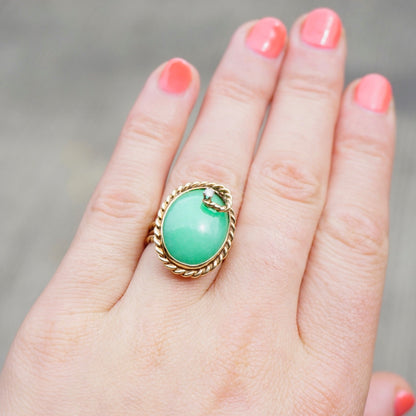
[
  {"x": 176, "y": 76},
  {"x": 322, "y": 28},
  {"x": 403, "y": 403},
  {"x": 267, "y": 37},
  {"x": 374, "y": 93}
]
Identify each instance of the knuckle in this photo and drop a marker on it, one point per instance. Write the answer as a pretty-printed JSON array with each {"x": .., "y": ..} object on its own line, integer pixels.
[
  {"x": 324, "y": 399},
  {"x": 206, "y": 170},
  {"x": 238, "y": 339},
  {"x": 360, "y": 231},
  {"x": 118, "y": 203},
  {"x": 310, "y": 85},
  {"x": 48, "y": 340},
  {"x": 240, "y": 367},
  {"x": 153, "y": 347},
  {"x": 289, "y": 180},
  {"x": 238, "y": 90},
  {"x": 353, "y": 142},
  {"x": 145, "y": 128}
]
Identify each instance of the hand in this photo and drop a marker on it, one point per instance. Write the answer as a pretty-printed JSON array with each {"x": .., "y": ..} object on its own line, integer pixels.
[{"x": 287, "y": 324}]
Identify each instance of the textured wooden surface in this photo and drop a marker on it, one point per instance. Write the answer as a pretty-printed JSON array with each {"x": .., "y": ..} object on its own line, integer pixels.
[{"x": 69, "y": 72}]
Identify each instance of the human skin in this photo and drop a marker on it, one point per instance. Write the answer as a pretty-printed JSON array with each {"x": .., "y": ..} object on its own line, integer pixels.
[{"x": 287, "y": 324}]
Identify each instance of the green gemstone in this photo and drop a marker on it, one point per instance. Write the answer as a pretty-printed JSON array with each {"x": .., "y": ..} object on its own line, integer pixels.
[{"x": 192, "y": 232}]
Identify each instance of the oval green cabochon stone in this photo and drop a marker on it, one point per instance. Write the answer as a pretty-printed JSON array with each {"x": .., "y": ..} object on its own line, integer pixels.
[{"x": 192, "y": 232}]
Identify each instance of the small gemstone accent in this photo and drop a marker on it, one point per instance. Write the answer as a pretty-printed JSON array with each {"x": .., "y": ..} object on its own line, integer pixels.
[{"x": 208, "y": 193}]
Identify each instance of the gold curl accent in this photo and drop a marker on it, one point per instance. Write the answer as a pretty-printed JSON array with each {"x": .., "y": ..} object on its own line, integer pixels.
[{"x": 155, "y": 231}]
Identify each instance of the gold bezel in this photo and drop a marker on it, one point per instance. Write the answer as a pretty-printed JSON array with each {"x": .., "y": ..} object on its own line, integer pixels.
[{"x": 156, "y": 234}]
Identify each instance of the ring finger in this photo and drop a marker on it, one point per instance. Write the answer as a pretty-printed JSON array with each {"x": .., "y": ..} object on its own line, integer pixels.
[{"x": 222, "y": 142}]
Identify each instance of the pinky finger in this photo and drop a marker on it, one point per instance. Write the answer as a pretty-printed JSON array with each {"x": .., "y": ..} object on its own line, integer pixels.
[
  {"x": 389, "y": 395},
  {"x": 342, "y": 288}
]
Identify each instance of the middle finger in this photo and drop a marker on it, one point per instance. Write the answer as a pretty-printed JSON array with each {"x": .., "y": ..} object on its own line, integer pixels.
[{"x": 286, "y": 187}]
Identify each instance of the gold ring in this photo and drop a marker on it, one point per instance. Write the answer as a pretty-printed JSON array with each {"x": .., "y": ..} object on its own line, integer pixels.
[{"x": 194, "y": 228}]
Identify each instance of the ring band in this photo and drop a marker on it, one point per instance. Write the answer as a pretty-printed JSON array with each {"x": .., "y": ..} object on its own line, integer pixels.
[{"x": 194, "y": 228}]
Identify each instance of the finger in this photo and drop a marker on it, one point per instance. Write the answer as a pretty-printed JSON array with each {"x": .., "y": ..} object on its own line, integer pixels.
[
  {"x": 389, "y": 395},
  {"x": 221, "y": 145},
  {"x": 101, "y": 260},
  {"x": 342, "y": 287},
  {"x": 287, "y": 182}
]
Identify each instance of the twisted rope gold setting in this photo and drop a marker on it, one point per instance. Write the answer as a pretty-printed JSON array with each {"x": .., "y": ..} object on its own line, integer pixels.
[{"x": 155, "y": 229}]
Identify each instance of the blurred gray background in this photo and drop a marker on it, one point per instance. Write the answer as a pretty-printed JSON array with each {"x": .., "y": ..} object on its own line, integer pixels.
[{"x": 69, "y": 72}]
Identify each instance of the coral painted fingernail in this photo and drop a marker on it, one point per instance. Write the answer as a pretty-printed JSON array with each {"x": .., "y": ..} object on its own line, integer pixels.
[
  {"x": 267, "y": 37},
  {"x": 176, "y": 76},
  {"x": 374, "y": 93},
  {"x": 322, "y": 28},
  {"x": 403, "y": 403}
]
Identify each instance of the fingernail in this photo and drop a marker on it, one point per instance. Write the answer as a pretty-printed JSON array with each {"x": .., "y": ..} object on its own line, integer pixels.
[
  {"x": 374, "y": 93},
  {"x": 176, "y": 76},
  {"x": 403, "y": 403},
  {"x": 322, "y": 28},
  {"x": 267, "y": 37}
]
